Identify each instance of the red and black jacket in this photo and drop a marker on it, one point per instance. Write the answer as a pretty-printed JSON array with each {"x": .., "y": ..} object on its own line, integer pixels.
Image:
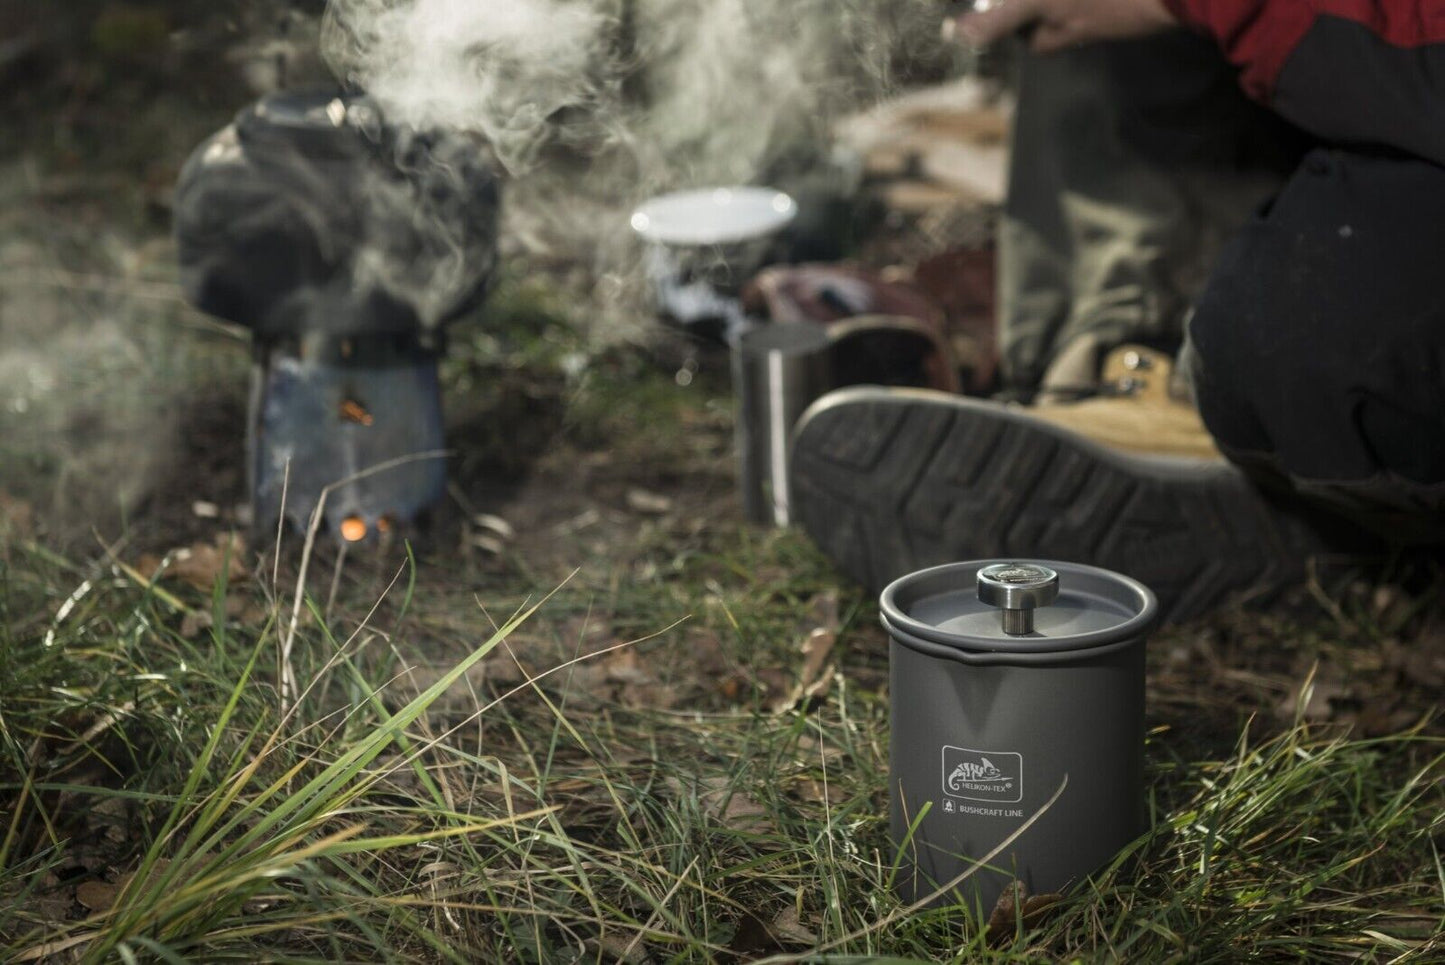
[{"x": 1366, "y": 72}]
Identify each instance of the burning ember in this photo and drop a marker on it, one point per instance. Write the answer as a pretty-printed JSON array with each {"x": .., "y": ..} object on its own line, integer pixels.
[
  {"x": 353, "y": 529},
  {"x": 353, "y": 411}
]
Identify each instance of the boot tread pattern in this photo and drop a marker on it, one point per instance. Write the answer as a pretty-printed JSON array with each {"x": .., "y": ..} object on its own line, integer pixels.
[{"x": 887, "y": 485}]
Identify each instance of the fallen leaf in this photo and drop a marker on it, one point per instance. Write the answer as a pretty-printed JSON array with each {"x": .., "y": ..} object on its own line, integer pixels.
[
  {"x": 620, "y": 948},
  {"x": 643, "y": 501},
  {"x": 50, "y": 900},
  {"x": 49, "y": 950},
  {"x": 1382, "y": 719},
  {"x": 816, "y": 649},
  {"x": 623, "y": 666},
  {"x": 717, "y": 797},
  {"x": 201, "y": 564},
  {"x": 97, "y": 895},
  {"x": 818, "y": 792},
  {"x": 823, "y": 611},
  {"x": 751, "y": 936},
  {"x": 812, "y": 750},
  {"x": 1312, "y": 699},
  {"x": 817, "y": 675},
  {"x": 788, "y": 926},
  {"x": 1016, "y": 907},
  {"x": 494, "y": 524},
  {"x": 733, "y": 687},
  {"x": 17, "y": 517},
  {"x": 1422, "y": 662},
  {"x": 491, "y": 545},
  {"x": 194, "y": 622},
  {"x": 776, "y": 684}
]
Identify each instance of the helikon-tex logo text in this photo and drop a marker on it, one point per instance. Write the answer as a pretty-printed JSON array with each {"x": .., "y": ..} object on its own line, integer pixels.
[{"x": 974, "y": 775}]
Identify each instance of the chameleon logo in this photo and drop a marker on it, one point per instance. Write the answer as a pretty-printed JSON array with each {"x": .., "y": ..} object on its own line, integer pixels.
[
  {"x": 975, "y": 775},
  {"x": 982, "y": 770}
]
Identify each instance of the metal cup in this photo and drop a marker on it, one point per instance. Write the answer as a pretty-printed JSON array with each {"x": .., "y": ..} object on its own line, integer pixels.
[
  {"x": 778, "y": 370},
  {"x": 1017, "y": 739}
]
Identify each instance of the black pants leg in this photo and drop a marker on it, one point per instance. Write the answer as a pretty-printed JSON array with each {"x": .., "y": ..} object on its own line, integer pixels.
[{"x": 1319, "y": 342}]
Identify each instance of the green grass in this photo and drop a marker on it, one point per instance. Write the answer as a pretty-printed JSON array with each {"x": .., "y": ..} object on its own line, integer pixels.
[{"x": 537, "y": 821}]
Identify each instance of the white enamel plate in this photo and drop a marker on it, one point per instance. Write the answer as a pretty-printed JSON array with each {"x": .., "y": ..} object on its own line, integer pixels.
[{"x": 713, "y": 216}]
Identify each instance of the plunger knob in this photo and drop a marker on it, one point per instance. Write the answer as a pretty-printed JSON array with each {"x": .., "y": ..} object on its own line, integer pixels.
[{"x": 1018, "y": 589}]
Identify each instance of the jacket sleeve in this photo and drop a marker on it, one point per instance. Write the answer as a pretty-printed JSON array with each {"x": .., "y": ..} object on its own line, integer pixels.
[{"x": 1368, "y": 72}]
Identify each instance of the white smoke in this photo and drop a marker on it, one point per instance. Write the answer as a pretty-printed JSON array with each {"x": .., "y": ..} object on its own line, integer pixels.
[
  {"x": 592, "y": 106},
  {"x": 654, "y": 93},
  {"x": 95, "y": 356},
  {"x": 500, "y": 69}
]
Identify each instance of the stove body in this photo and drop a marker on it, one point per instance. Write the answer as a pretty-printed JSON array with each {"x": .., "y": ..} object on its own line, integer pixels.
[{"x": 345, "y": 245}]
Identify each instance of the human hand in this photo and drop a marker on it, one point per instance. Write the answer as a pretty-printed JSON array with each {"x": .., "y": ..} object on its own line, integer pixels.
[{"x": 1058, "y": 24}]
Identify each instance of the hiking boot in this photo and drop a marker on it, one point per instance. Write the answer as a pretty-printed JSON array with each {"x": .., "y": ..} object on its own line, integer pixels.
[
  {"x": 1136, "y": 405},
  {"x": 888, "y": 481}
]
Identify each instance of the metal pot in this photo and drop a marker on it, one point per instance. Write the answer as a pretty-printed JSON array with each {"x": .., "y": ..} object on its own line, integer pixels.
[{"x": 1017, "y": 725}]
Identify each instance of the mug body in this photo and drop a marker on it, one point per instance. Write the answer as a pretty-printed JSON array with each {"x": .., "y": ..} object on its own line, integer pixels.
[{"x": 1014, "y": 754}]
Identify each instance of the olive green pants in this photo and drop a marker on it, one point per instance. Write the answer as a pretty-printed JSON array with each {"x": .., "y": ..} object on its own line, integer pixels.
[{"x": 1132, "y": 163}]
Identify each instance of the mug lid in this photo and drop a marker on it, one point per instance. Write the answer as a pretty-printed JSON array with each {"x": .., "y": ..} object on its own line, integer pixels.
[{"x": 1018, "y": 606}]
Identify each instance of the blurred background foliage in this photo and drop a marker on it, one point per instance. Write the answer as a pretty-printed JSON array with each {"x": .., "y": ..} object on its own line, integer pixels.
[{"x": 132, "y": 86}]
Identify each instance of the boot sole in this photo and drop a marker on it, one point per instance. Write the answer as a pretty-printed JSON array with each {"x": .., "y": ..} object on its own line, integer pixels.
[{"x": 889, "y": 481}]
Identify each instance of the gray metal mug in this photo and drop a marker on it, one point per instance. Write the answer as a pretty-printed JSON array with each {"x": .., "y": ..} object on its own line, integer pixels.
[
  {"x": 780, "y": 368},
  {"x": 1016, "y": 751}
]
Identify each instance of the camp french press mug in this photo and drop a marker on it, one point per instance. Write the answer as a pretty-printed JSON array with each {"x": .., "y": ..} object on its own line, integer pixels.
[{"x": 1016, "y": 750}]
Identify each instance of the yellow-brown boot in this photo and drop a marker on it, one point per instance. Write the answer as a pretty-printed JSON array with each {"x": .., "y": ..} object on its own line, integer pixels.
[{"x": 1137, "y": 408}]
